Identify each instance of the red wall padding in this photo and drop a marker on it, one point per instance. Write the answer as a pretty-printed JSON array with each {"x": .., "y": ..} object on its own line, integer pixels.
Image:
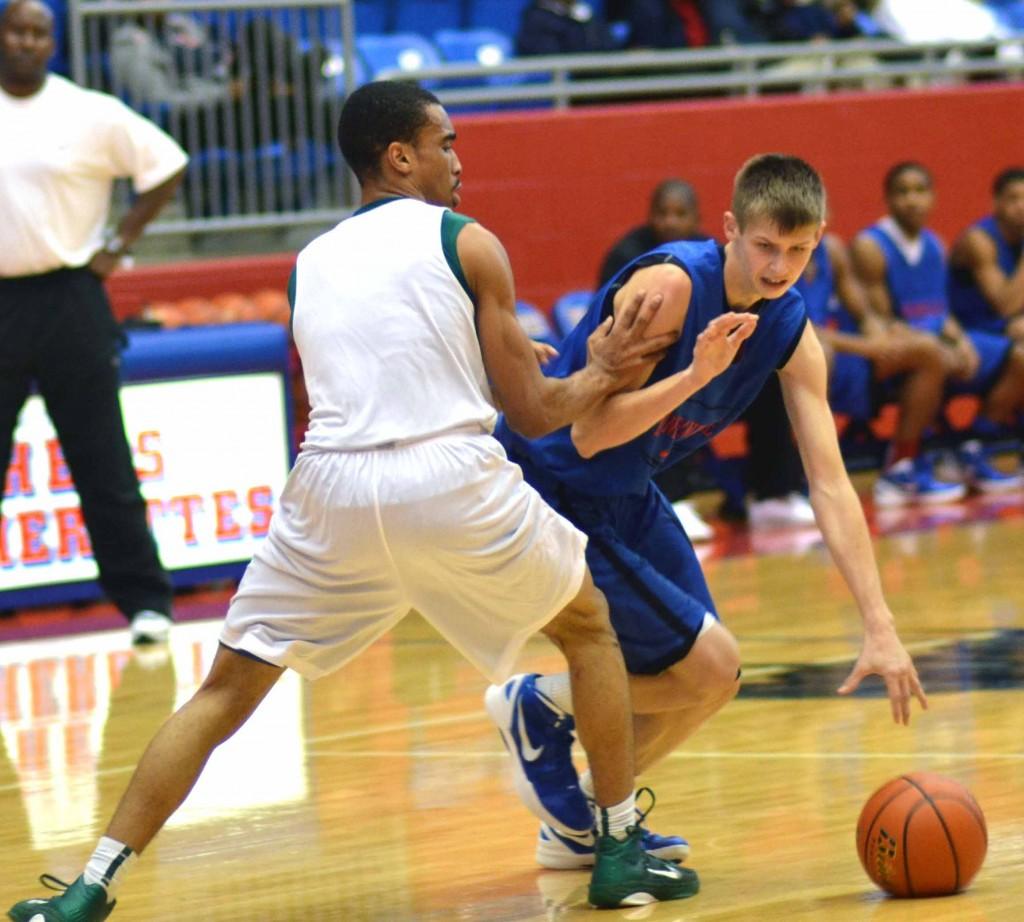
[{"x": 560, "y": 187}]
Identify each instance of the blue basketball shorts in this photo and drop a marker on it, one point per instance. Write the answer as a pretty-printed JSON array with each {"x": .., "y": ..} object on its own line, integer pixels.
[
  {"x": 642, "y": 560},
  {"x": 993, "y": 350}
]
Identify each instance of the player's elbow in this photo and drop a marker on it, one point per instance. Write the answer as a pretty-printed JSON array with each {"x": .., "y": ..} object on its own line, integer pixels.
[
  {"x": 584, "y": 440},
  {"x": 530, "y": 424}
]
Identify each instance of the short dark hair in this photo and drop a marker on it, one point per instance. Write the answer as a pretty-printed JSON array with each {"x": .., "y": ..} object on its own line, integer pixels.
[
  {"x": 674, "y": 186},
  {"x": 376, "y": 115},
  {"x": 905, "y": 166},
  {"x": 1008, "y": 176},
  {"x": 784, "y": 189}
]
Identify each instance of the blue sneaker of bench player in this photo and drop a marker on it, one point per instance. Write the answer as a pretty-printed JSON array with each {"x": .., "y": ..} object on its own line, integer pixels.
[
  {"x": 913, "y": 481},
  {"x": 538, "y": 735},
  {"x": 982, "y": 474}
]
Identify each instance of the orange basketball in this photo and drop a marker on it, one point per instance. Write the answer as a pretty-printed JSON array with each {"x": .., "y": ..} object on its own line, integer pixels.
[{"x": 921, "y": 835}]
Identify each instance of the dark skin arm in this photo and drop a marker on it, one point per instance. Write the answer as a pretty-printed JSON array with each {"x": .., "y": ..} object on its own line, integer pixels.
[
  {"x": 145, "y": 207},
  {"x": 535, "y": 405}
]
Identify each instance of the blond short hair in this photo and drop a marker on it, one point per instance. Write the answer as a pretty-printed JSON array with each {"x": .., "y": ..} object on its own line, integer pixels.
[{"x": 783, "y": 189}]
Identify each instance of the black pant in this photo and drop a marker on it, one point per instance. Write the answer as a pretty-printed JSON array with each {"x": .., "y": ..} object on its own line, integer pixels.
[
  {"x": 57, "y": 331},
  {"x": 773, "y": 463}
]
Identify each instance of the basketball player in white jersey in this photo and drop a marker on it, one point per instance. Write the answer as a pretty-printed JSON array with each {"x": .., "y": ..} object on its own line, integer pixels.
[{"x": 401, "y": 498}]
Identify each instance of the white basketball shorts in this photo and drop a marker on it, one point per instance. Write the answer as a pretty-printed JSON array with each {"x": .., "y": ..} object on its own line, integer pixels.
[{"x": 446, "y": 526}]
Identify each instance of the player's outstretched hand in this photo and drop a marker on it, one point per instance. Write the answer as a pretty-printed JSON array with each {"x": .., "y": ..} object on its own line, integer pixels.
[
  {"x": 620, "y": 344},
  {"x": 718, "y": 343},
  {"x": 884, "y": 655}
]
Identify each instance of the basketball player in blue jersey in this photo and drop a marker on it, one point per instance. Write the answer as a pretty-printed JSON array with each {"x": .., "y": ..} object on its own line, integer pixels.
[
  {"x": 864, "y": 355},
  {"x": 902, "y": 265},
  {"x": 986, "y": 282},
  {"x": 401, "y": 498},
  {"x": 683, "y": 663}
]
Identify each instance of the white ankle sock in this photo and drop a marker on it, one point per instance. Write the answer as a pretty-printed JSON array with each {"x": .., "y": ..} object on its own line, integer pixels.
[
  {"x": 108, "y": 864},
  {"x": 613, "y": 821},
  {"x": 557, "y": 688}
]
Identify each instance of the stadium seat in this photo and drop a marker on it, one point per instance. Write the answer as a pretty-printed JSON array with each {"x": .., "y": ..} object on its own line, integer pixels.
[
  {"x": 503, "y": 15},
  {"x": 535, "y": 323},
  {"x": 373, "y": 17},
  {"x": 569, "y": 309},
  {"x": 400, "y": 50},
  {"x": 427, "y": 16},
  {"x": 486, "y": 47},
  {"x": 334, "y": 66}
]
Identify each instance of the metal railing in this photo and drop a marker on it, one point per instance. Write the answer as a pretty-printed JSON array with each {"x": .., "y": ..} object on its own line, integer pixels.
[
  {"x": 256, "y": 95},
  {"x": 736, "y": 70},
  {"x": 251, "y": 89}
]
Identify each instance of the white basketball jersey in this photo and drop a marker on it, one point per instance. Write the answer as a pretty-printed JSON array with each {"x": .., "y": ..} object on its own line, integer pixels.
[{"x": 386, "y": 332}]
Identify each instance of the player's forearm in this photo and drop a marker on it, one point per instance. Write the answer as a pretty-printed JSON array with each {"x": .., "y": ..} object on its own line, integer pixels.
[
  {"x": 554, "y": 403},
  {"x": 840, "y": 517},
  {"x": 1011, "y": 299},
  {"x": 624, "y": 416}
]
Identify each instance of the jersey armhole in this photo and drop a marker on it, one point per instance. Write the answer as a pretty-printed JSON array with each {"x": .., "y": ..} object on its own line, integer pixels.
[
  {"x": 451, "y": 226},
  {"x": 791, "y": 348},
  {"x": 292, "y": 283}
]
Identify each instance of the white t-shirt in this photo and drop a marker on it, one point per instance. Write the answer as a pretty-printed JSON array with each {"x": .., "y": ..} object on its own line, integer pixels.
[
  {"x": 60, "y": 151},
  {"x": 386, "y": 331}
]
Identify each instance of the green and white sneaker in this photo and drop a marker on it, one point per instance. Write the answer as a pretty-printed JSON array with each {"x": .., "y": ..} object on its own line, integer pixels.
[
  {"x": 625, "y": 874},
  {"x": 79, "y": 902}
]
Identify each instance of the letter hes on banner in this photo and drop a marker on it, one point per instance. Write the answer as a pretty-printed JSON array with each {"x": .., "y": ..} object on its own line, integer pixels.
[{"x": 42, "y": 521}]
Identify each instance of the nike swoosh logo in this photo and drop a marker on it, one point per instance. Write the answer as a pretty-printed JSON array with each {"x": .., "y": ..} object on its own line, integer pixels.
[
  {"x": 582, "y": 838},
  {"x": 530, "y": 753},
  {"x": 675, "y": 875}
]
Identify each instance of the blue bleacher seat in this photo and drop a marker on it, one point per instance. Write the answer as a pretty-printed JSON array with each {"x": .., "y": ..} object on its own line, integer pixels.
[
  {"x": 334, "y": 66},
  {"x": 503, "y": 15},
  {"x": 404, "y": 50},
  {"x": 535, "y": 323},
  {"x": 427, "y": 16},
  {"x": 483, "y": 46},
  {"x": 569, "y": 309},
  {"x": 373, "y": 17}
]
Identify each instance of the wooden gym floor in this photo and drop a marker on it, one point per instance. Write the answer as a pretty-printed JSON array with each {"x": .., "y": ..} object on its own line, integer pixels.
[{"x": 381, "y": 794}]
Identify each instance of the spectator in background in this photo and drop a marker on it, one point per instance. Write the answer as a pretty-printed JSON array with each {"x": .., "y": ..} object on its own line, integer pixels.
[
  {"x": 158, "y": 60},
  {"x": 62, "y": 148},
  {"x": 662, "y": 24},
  {"x": 562, "y": 27},
  {"x": 674, "y": 214},
  {"x": 864, "y": 353},
  {"x": 774, "y": 471},
  {"x": 731, "y": 22},
  {"x": 903, "y": 267},
  {"x": 795, "y": 21},
  {"x": 986, "y": 288}
]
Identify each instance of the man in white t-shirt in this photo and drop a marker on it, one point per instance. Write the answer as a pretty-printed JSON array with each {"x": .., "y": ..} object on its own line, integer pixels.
[
  {"x": 62, "y": 146},
  {"x": 402, "y": 499}
]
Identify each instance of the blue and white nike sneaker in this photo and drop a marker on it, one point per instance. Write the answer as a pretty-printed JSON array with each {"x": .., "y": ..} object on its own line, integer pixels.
[
  {"x": 982, "y": 474},
  {"x": 538, "y": 735},
  {"x": 561, "y": 851}
]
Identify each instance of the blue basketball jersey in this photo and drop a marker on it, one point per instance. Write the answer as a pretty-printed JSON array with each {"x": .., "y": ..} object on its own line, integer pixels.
[
  {"x": 971, "y": 307},
  {"x": 627, "y": 469},
  {"x": 917, "y": 290},
  {"x": 817, "y": 286}
]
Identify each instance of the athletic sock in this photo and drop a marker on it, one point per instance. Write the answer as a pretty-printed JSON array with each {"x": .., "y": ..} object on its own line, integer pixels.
[
  {"x": 108, "y": 865},
  {"x": 557, "y": 689},
  {"x": 900, "y": 449},
  {"x": 614, "y": 821}
]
